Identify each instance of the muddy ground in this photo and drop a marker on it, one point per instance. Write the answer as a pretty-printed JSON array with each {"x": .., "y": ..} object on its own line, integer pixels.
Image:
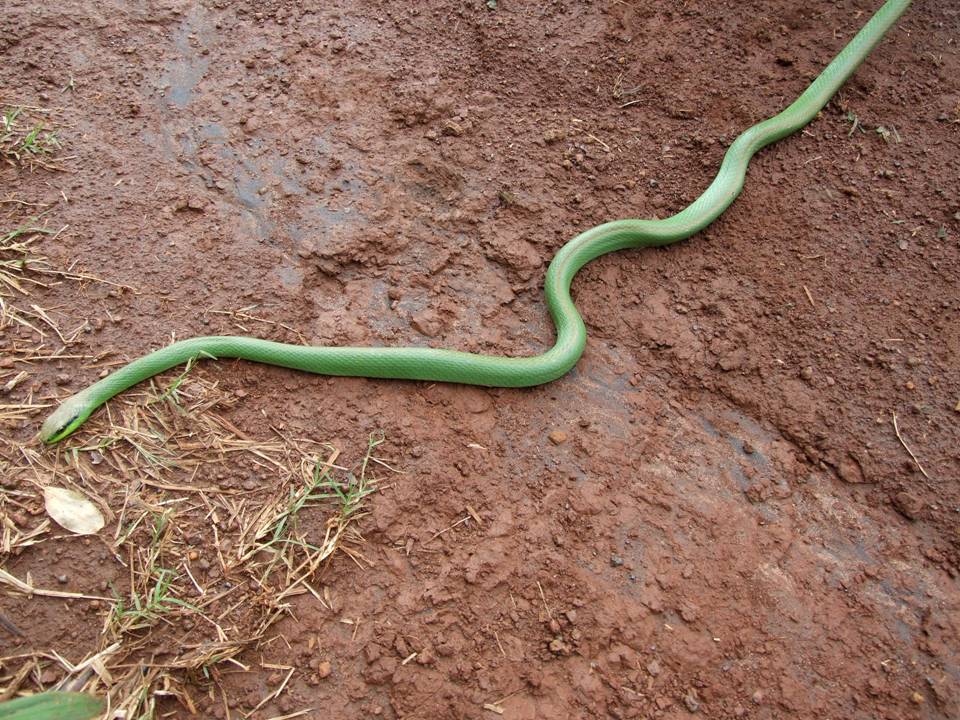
[{"x": 712, "y": 515}]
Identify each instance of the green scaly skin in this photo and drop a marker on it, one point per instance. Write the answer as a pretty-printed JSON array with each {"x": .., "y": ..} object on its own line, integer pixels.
[
  {"x": 411, "y": 363},
  {"x": 53, "y": 705}
]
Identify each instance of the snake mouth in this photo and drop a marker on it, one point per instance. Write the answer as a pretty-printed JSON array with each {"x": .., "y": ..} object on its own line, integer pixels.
[
  {"x": 65, "y": 419},
  {"x": 63, "y": 429}
]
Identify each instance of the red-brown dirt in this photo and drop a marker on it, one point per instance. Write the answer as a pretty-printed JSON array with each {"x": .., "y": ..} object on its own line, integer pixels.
[{"x": 712, "y": 515}]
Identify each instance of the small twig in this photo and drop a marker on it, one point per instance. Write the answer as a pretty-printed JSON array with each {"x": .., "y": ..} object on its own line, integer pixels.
[
  {"x": 18, "y": 679},
  {"x": 275, "y": 693},
  {"x": 290, "y": 716},
  {"x": 544, "y": 598},
  {"x": 497, "y": 705},
  {"x": 905, "y": 447},
  {"x": 599, "y": 141},
  {"x": 451, "y": 527},
  {"x": 30, "y": 590}
]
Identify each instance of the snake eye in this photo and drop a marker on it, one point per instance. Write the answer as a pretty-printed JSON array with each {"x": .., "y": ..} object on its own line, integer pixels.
[{"x": 64, "y": 429}]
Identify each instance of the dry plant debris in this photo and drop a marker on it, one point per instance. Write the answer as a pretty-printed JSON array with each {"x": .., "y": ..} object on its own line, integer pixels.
[
  {"x": 205, "y": 559},
  {"x": 25, "y": 137}
]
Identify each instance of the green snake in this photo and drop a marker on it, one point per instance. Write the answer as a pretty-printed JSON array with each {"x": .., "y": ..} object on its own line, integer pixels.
[{"x": 416, "y": 363}]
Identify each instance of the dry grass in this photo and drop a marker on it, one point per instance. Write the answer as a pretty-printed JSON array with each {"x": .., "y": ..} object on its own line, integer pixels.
[
  {"x": 162, "y": 464},
  {"x": 31, "y": 334}
]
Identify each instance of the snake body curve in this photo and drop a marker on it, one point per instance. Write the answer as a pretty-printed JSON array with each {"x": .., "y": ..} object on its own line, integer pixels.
[{"x": 413, "y": 363}]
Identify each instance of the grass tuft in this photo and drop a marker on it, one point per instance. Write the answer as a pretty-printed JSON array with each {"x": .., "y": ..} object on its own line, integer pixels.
[
  {"x": 216, "y": 534},
  {"x": 25, "y": 142}
]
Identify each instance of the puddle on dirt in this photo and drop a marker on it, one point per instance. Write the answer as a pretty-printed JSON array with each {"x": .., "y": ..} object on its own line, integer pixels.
[
  {"x": 250, "y": 173},
  {"x": 182, "y": 74},
  {"x": 290, "y": 276},
  {"x": 705, "y": 454}
]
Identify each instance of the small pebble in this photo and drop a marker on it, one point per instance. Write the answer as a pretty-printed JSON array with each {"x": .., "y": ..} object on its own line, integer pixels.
[
  {"x": 616, "y": 560},
  {"x": 558, "y": 437},
  {"x": 324, "y": 669},
  {"x": 452, "y": 128},
  {"x": 193, "y": 555},
  {"x": 553, "y": 135},
  {"x": 807, "y": 373}
]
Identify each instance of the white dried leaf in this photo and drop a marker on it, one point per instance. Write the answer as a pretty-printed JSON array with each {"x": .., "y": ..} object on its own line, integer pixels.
[{"x": 72, "y": 510}]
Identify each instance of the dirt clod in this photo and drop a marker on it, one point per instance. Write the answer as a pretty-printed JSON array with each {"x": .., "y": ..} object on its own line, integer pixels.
[{"x": 909, "y": 504}]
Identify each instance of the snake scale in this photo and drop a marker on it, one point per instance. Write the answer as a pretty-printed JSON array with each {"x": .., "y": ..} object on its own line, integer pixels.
[{"x": 415, "y": 363}]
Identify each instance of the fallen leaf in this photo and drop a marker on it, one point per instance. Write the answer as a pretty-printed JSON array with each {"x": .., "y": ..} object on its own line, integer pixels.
[{"x": 72, "y": 510}]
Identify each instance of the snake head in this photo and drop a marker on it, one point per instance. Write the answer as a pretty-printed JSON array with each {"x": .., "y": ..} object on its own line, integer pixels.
[{"x": 65, "y": 419}]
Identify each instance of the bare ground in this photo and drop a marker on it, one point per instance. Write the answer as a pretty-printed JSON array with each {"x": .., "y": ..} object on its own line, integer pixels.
[{"x": 713, "y": 515}]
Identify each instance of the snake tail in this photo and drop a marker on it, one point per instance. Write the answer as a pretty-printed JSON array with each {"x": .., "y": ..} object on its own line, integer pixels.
[{"x": 415, "y": 363}]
